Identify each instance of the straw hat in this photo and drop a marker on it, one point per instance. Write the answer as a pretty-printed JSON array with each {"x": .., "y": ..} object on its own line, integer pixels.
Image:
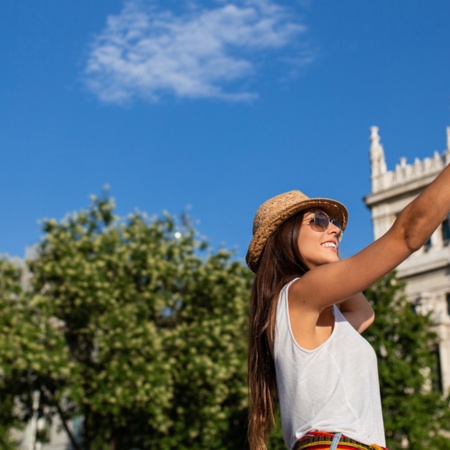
[{"x": 272, "y": 213}]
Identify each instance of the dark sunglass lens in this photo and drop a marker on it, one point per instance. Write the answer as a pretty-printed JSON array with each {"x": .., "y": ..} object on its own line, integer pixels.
[
  {"x": 336, "y": 223},
  {"x": 321, "y": 221}
]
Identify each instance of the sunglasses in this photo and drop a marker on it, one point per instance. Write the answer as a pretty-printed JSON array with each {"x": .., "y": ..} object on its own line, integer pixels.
[{"x": 320, "y": 222}]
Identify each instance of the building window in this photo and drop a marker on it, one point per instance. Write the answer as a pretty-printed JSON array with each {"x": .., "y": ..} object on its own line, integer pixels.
[
  {"x": 437, "y": 384},
  {"x": 446, "y": 231},
  {"x": 448, "y": 303}
]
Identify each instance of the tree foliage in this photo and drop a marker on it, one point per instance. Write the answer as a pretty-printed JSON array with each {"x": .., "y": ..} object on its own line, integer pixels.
[
  {"x": 140, "y": 330},
  {"x": 12, "y": 314},
  {"x": 415, "y": 413}
]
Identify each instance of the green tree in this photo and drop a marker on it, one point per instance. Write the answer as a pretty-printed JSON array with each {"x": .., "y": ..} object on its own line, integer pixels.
[
  {"x": 415, "y": 412},
  {"x": 11, "y": 314},
  {"x": 140, "y": 330}
]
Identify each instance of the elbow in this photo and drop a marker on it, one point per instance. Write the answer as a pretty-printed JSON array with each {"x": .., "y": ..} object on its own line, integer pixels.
[
  {"x": 415, "y": 232},
  {"x": 370, "y": 317},
  {"x": 412, "y": 239},
  {"x": 411, "y": 230},
  {"x": 412, "y": 247},
  {"x": 413, "y": 244},
  {"x": 366, "y": 323}
]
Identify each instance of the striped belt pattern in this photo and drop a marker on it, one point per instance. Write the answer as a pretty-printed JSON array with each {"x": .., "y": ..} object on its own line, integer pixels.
[{"x": 317, "y": 440}]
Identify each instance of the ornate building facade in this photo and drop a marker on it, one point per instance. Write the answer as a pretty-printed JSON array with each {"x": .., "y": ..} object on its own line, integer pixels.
[{"x": 426, "y": 272}]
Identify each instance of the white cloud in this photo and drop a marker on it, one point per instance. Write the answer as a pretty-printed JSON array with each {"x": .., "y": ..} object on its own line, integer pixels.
[{"x": 145, "y": 52}]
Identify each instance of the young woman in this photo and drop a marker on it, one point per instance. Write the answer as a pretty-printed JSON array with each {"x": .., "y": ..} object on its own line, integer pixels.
[{"x": 307, "y": 312}]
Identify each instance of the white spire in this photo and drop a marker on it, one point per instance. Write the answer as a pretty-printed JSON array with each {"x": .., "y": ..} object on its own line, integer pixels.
[{"x": 377, "y": 160}]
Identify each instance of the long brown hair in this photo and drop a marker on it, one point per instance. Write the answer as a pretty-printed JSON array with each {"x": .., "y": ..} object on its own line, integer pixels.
[{"x": 279, "y": 263}]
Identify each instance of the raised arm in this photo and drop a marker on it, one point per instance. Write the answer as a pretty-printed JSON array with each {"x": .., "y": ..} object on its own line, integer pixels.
[{"x": 334, "y": 282}]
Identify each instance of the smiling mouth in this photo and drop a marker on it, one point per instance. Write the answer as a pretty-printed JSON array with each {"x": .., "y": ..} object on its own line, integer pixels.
[{"x": 331, "y": 245}]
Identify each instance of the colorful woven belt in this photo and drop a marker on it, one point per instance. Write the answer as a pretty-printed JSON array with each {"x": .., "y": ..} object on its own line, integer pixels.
[{"x": 317, "y": 440}]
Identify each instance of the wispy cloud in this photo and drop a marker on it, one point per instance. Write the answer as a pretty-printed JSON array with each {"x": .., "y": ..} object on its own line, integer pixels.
[{"x": 146, "y": 52}]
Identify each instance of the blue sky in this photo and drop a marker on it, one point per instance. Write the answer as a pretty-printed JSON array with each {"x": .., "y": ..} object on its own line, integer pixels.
[{"x": 211, "y": 107}]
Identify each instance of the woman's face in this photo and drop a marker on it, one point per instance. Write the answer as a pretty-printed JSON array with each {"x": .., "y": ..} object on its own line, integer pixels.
[{"x": 318, "y": 247}]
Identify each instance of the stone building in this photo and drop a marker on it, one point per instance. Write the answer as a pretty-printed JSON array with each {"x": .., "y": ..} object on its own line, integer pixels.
[{"x": 426, "y": 272}]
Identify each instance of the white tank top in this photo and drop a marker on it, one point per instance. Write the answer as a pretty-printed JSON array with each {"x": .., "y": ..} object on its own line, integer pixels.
[{"x": 332, "y": 388}]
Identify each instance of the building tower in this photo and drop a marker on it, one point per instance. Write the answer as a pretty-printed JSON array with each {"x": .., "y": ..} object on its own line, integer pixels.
[{"x": 426, "y": 272}]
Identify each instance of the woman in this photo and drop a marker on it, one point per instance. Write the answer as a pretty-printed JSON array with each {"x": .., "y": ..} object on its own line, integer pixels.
[{"x": 307, "y": 312}]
